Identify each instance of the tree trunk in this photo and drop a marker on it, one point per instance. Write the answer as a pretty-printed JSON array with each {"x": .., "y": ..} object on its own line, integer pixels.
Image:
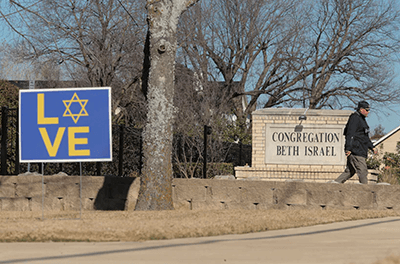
[{"x": 156, "y": 179}]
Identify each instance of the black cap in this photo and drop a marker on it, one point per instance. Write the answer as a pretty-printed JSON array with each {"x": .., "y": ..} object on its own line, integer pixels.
[{"x": 363, "y": 104}]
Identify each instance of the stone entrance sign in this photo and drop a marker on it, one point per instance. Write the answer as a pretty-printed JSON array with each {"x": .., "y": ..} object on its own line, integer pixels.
[
  {"x": 314, "y": 144},
  {"x": 285, "y": 146}
]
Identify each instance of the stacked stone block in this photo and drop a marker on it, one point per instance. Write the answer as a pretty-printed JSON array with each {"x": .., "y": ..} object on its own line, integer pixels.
[
  {"x": 62, "y": 193},
  {"x": 196, "y": 194},
  {"x": 35, "y": 192}
]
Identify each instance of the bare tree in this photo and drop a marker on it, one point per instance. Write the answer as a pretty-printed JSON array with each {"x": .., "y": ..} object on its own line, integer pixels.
[
  {"x": 351, "y": 45},
  {"x": 14, "y": 68},
  {"x": 198, "y": 104},
  {"x": 98, "y": 41},
  {"x": 317, "y": 54},
  {"x": 244, "y": 45},
  {"x": 378, "y": 132},
  {"x": 156, "y": 179},
  {"x": 188, "y": 124}
]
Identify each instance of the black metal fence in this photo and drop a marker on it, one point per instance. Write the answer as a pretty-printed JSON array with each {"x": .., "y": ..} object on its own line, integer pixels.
[
  {"x": 9, "y": 141},
  {"x": 126, "y": 151}
]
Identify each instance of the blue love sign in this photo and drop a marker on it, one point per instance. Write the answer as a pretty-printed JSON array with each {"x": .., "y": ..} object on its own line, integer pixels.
[{"x": 65, "y": 125}]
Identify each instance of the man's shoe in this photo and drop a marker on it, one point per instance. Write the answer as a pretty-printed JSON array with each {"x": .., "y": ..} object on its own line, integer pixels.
[{"x": 333, "y": 182}]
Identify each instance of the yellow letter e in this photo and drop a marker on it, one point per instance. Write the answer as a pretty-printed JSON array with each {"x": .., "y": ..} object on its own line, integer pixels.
[{"x": 72, "y": 141}]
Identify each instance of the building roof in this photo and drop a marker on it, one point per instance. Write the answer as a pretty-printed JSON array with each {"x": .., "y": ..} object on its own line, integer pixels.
[
  {"x": 386, "y": 136},
  {"x": 43, "y": 84}
]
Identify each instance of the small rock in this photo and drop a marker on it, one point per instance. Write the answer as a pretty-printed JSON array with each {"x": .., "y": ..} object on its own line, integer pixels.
[
  {"x": 30, "y": 174},
  {"x": 224, "y": 177}
]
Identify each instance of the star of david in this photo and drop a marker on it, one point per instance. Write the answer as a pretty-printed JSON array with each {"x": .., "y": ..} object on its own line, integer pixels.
[{"x": 68, "y": 103}]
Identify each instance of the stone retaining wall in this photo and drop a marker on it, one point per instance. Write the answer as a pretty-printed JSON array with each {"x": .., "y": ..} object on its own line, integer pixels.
[
  {"x": 31, "y": 192},
  {"x": 62, "y": 193},
  {"x": 234, "y": 194}
]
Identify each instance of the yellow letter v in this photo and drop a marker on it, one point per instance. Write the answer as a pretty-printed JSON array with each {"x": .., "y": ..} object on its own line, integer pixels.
[{"x": 52, "y": 148}]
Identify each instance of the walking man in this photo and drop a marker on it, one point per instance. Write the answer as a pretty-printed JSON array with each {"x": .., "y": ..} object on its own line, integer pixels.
[{"x": 357, "y": 145}]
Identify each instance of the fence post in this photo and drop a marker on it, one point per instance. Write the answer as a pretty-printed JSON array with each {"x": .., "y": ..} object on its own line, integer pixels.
[
  {"x": 4, "y": 123},
  {"x": 141, "y": 151},
  {"x": 240, "y": 152},
  {"x": 16, "y": 171},
  {"x": 121, "y": 150},
  {"x": 207, "y": 131},
  {"x": 98, "y": 168}
]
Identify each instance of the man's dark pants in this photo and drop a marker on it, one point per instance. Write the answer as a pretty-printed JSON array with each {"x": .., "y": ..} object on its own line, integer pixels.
[{"x": 355, "y": 164}]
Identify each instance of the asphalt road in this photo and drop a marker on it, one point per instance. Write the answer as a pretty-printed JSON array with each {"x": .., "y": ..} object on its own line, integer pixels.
[{"x": 363, "y": 241}]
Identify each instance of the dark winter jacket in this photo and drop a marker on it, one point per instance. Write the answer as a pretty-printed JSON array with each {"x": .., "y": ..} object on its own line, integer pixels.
[{"x": 357, "y": 135}]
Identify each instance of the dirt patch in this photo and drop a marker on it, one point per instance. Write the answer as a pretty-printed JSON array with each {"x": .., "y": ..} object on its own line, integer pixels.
[
  {"x": 140, "y": 226},
  {"x": 389, "y": 260}
]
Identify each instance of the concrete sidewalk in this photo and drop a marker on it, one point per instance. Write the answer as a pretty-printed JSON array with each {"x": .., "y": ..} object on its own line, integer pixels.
[{"x": 363, "y": 241}]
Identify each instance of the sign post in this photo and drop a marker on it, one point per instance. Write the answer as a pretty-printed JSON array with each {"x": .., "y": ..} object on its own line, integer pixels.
[
  {"x": 65, "y": 125},
  {"x": 31, "y": 87}
]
